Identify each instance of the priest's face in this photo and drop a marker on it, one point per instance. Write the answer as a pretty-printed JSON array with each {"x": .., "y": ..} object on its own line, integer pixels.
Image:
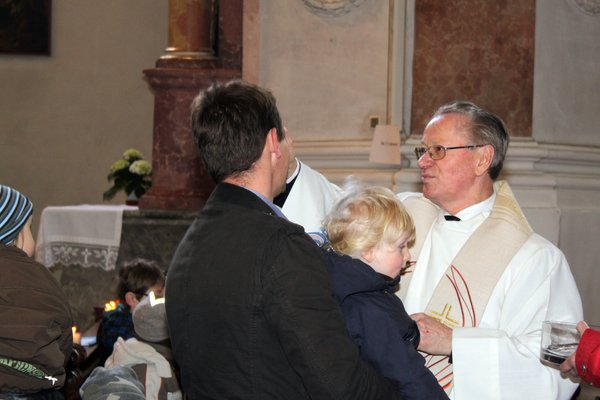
[
  {"x": 449, "y": 181},
  {"x": 283, "y": 163}
]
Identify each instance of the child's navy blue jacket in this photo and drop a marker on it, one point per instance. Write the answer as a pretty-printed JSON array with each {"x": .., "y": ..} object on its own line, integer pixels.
[{"x": 379, "y": 325}]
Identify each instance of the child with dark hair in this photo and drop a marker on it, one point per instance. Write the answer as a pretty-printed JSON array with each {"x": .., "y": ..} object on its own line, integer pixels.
[{"x": 137, "y": 279}]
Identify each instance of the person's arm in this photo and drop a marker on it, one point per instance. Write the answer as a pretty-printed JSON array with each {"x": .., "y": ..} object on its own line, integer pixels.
[
  {"x": 569, "y": 366},
  {"x": 585, "y": 362},
  {"x": 299, "y": 305},
  {"x": 498, "y": 359}
]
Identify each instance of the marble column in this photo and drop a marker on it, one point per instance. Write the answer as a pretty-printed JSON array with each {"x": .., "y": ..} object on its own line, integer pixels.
[
  {"x": 477, "y": 50},
  {"x": 190, "y": 63},
  {"x": 192, "y": 25}
]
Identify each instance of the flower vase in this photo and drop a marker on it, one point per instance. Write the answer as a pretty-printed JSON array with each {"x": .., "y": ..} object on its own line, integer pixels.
[{"x": 132, "y": 199}]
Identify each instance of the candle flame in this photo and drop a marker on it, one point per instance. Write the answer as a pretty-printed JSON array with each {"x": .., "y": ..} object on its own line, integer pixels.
[{"x": 111, "y": 305}]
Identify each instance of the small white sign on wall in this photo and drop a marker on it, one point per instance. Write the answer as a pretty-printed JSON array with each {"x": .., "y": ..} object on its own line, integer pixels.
[{"x": 385, "y": 148}]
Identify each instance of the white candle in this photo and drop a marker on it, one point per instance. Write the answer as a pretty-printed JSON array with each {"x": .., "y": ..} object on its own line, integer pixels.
[{"x": 76, "y": 335}]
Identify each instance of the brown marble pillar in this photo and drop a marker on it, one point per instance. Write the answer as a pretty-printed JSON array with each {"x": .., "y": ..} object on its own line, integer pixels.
[
  {"x": 178, "y": 179},
  {"x": 477, "y": 50}
]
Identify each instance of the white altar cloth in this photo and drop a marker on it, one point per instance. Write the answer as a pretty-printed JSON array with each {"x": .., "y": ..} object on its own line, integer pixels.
[{"x": 87, "y": 235}]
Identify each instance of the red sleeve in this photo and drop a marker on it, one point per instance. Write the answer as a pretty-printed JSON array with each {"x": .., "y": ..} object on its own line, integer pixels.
[{"x": 587, "y": 358}]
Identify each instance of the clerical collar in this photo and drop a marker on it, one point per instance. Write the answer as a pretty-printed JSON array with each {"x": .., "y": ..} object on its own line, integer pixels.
[
  {"x": 280, "y": 199},
  {"x": 295, "y": 174},
  {"x": 484, "y": 207}
]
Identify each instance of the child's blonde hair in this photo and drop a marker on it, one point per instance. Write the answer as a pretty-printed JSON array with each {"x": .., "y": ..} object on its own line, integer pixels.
[{"x": 364, "y": 218}]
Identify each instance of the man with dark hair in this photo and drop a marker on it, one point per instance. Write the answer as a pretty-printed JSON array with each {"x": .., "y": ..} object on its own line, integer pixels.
[
  {"x": 249, "y": 302},
  {"x": 483, "y": 281}
]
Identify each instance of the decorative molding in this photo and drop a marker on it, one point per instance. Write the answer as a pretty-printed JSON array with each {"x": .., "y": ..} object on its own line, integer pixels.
[
  {"x": 529, "y": 165},
  {"x": 589, "y": 7},
  {"x": 332, "y": 8}
]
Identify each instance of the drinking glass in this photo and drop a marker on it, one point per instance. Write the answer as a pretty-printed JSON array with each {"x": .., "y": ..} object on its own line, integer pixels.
[{"x": 559, "y": 341}]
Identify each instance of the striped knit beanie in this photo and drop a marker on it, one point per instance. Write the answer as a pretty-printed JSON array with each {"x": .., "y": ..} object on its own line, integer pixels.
[{"x": 15, "y": 209}]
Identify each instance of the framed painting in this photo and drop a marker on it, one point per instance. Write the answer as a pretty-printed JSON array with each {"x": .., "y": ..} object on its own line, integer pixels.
[{"x": 25, "y": 27}]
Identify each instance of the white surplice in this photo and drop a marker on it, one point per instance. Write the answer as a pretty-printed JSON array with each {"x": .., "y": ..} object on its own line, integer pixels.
[
  {"x": 499, "y": 359},
  {"x": 310, "y": 199}
]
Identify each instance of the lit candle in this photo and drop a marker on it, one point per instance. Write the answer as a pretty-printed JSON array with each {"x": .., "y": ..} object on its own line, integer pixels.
[
  {"x": 111, "y": 305},
  {"x": 76, "y": 335}
]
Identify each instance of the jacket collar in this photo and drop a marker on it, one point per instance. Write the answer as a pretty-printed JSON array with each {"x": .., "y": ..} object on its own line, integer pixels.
[
  {"x": 236, "y": 196},
  {"x": 350, "y": 275}
]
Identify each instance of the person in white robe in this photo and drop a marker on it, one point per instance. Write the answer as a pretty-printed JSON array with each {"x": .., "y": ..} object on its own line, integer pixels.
[
  {"x": 308, "y": 197},
  {"x": 483, "y": 281}
]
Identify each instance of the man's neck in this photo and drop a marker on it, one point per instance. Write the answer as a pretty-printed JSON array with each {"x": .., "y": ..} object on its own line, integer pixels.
[
  {"x": 249, "y": 182},
  {"x": 471, "y": 198}
]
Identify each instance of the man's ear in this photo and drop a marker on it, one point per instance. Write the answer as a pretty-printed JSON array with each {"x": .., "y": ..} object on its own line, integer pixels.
[
  {"x": 486, "y": 156},
  {"x": 273, "y": 143}
]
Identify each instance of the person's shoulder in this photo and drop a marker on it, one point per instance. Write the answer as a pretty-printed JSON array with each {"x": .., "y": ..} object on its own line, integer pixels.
[
  {"x": 537, "y": 242},
  {"x": 313, "y": 176},
  {"x": 288, "y": 230},
  {"x": 539, "y": 253},
  {"x": 18, "y": 267}
]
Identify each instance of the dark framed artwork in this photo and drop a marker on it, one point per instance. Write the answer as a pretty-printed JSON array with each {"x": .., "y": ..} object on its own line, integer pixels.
[{"x": 25, "y": 26}]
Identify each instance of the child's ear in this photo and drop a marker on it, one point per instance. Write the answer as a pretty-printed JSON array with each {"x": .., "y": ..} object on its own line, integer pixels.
[
  {"x": 131, "y": 300},
  {"x": 367, "y": 255}
]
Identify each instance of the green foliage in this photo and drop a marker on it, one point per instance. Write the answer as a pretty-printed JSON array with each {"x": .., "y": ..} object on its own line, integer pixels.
[{"x": 131, "y": 174}]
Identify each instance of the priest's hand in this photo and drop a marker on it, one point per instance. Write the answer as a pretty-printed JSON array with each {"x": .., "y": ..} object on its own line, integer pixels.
[{"x": 436, "y": 338}]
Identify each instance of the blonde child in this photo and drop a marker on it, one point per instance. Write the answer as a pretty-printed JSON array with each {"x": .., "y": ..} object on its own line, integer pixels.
[{"x": 369, "y": 234}]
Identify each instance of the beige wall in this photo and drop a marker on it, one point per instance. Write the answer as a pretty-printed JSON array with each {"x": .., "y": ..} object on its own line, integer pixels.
[
  {"x": 566, "y": 102},
  {"x": 65, "y": 118},
  {"x": 328, "y": 73}
]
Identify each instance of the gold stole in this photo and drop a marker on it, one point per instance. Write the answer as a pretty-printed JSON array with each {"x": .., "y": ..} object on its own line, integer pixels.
[{"x": 462, "y": 294}]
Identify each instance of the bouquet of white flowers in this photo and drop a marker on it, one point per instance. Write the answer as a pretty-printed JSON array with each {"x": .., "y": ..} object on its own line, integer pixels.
[{"x": 131, "y": 174}]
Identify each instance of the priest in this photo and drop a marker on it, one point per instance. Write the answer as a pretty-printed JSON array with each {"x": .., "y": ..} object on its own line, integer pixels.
[{"x": 483, "y": 281}]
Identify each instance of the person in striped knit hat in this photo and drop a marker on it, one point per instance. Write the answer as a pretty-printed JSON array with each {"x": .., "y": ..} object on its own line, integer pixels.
[
  {"x": 15, "y": 213},
  {"x": 35, "y": 329}
]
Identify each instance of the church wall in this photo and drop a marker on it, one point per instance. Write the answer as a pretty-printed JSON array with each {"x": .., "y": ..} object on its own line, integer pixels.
[
  {"x": 566, "y": 123},
  {"x": 566, "y": 103},
  {"x": 64, "y": 119},
  {"x": 328, "y": 72}
]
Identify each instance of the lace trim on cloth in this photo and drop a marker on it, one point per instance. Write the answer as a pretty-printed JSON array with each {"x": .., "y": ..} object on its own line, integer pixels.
[{"x": 85, "y": 255}]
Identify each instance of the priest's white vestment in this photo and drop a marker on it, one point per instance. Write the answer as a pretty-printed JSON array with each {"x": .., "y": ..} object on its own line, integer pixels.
[
  {"x": 499, "y": 358},
  {"x": 310, "y": 199}
]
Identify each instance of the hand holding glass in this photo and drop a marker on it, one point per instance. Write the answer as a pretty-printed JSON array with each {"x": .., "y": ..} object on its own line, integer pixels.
[{"x": 559, "y": 341}]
